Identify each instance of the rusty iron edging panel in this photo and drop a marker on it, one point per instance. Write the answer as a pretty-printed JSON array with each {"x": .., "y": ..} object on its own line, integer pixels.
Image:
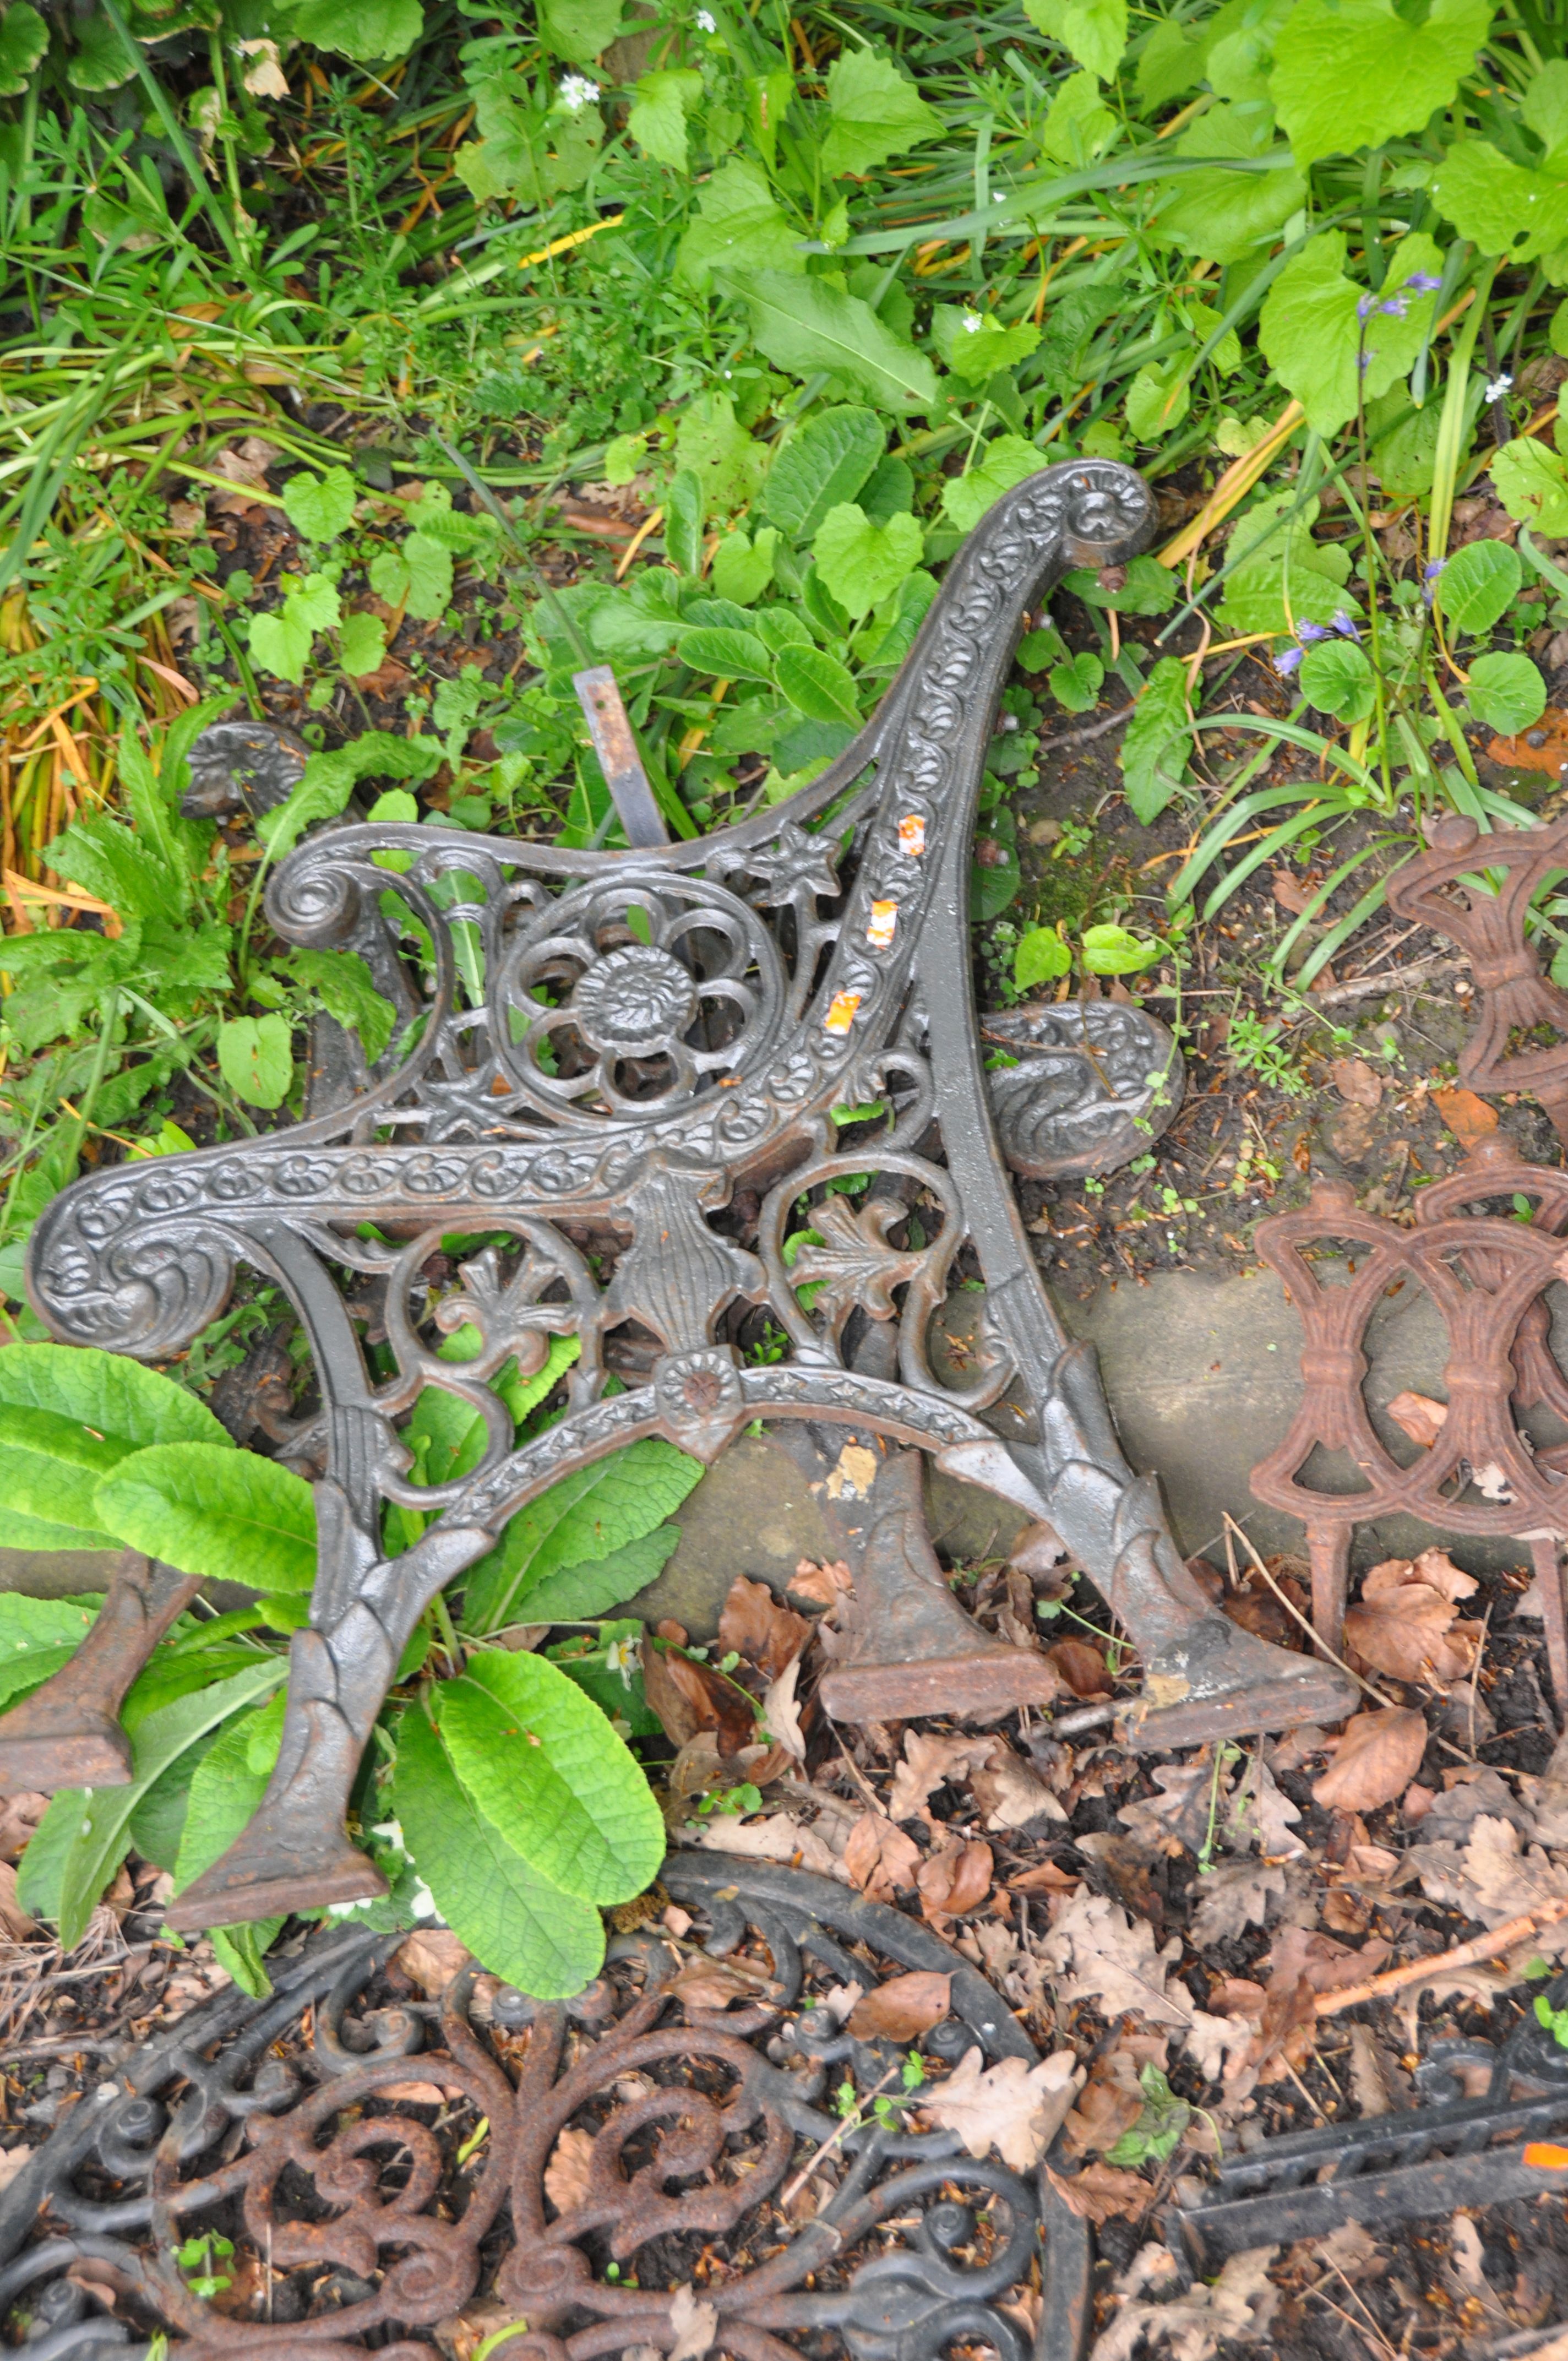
[
  {"x": 663, "y": 1036},
  {"x": 609, "y": 727}
]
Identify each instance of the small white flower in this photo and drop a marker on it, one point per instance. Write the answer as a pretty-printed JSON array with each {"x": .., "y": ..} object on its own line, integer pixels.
[
  {"x": 620, "y": 1657},
  {"x": 578, "y": 92},
  {"x": 391, "y": 1831},
  {"x": 972, "y": 323},
  {"x": 423, "y": 1900},
  {"x": 704, "y": 22},
  {"x": 1498, "y": 386}
]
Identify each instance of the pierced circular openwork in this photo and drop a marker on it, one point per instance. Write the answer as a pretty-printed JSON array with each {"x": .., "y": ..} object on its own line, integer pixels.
[{"x": 624, "y": 999}]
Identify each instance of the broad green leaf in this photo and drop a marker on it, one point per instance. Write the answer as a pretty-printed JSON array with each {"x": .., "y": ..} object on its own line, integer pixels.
[
  {"x": 1155, "y": 742},
  {"x": 1506, "y": 208},
  {"x": 230, "y": 1515},
  {"x": 1544, "y": 110},
  {"x": 1336, "y": 677},
  {"x": 1479, "y": 584},
  {"x": 24, "y": 37},
  {"x": 983, "y": 343},
  {"x": 1355, "y": 73},
  {"x": 719, "y": 452},
  {"x": 547, "y": 1943},
  {"x": 862, "y": 563},
  {"x": 1093, "y": 31},
  {"x": 1507, "y": 692},
  {"x": 1076, "y": 684},
  {"x": 1224, "y": 215},
  {"x": 1111, "y": 950},
  {"x": 994, "y": 882},
  {"x": 158, "y": 1819},
  {"x": 581, "y": 1592},
  {"x": 28, "y": 1624},
  {"x": 726, "y": 655},
  {"x": 225, "y": 1789},
  {"x": 361, "y": 29},
  {"x": 579, "y": 30},
  {"x": 827, "y": 462},
  {"x": 1531, "y": 482},
  {"x": 104, "y": 857},
  {"x": 738, "y": 226},
  {"x": 281, "y": 644},
  {"x": 361, "y": 644},
  {"x": 1006, "y": 460},
  {"x": 1078, "y": 123},
  {"x": 888, "y": 491},
  {"x": 806, "y": 325},
  {"x": 818, "y": 685},
  {"x": 256, "y": 1055},
  {"x": 320, "y": 508},
  {"x": 873, "y": 113},
  {"x": 1309, "y": 331},
  {"x": 606, "y": 1668},
  {"x": 779, "y": 628},
  {"x": 103, "y": 1832},
  {"x": 579, "y": 1521},
  {"x": 742, "y": 568},
  {"x": 42, "y": 1865},
  {"x": 887, "y": 638},
  {"x": 1147, "y": 587},
  {"x": 115, "y": 1396},
  {"x": 685, "y": 511},
  {"x": 50, "y": 1468},
  {"x": 347, "y": 991},
  {"x": 20, "y": 1675},
  {"x": 546, "y": 1770},
  {"x": 1041, "y": 957},
  {"x": 1157, "y": 400},
  {"x": 428, "y": 562},
  {"x": 660, "y": 105}
]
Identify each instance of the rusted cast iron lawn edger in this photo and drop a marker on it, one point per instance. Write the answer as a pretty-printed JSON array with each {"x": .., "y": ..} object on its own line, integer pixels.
[{"x": 649, "y": 1068}]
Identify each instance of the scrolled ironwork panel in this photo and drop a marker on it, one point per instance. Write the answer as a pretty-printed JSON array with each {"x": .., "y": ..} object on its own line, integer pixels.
[{"x": 615, "y": 1054}]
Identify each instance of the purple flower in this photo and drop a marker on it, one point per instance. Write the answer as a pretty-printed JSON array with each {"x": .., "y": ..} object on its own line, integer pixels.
[
  {"x": 1367, "y": 306},
  {"x": 1396, "y": 306},
  {"x": 1305, "y": 631},
  {"x": 1424, "y": 282},
  {"x": 1428, "y": 575},
  {"x": 1285, "y": 662},
  {"x": 1343, "y": 624}
]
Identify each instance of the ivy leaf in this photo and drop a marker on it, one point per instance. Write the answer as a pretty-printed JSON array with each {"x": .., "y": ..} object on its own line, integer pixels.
[
  {"x": 862, "y": 563},
  {"x": 579, "y": 1521},
  {"x": 1533, "y": 485},
  {"x": 229, "y": 1515},
  {"x": 1479, "y": 584},
  {"x": 805, "y": 324},
  {"x": 873, "y": 114},
  {"x": 818, "y": 685},
  {"x": 544, "y": 1767},
  {"x": 1093, "y": 31},
  {"x": 1507, "y": 692},
  {"x": 546, "y": 1943},
  {"x": 827, "y": 462},
  {"x": 1041, "y": 957},
  {"x": 738, "y": 226},
  {"x": 1076, "y": 684},
  {"x": 24, "y": 37},
  {"x": 659, "y": 110},
  {"x": 256, "y": 1058},
  {"x": 1354, "y": 73},
  {"x": 320, "y": 508},
  {"x": 1155, "y": 742},
  {"x": 361, "y": 644},
  {"x": 361, "y": 29},
  {"x": 1226, "y": 216},
  {"x": 347, "y": 991},
  {"x": 1336, "y": 677},
  {"x": 1006, "y": 460}
]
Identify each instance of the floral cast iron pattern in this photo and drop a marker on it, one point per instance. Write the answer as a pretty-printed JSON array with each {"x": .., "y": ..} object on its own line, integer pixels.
[
  {"x": 403, "y": 2165},
  {"x": 627, "y": 1065}
]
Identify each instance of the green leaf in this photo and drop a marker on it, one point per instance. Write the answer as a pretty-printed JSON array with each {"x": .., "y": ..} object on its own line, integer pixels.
[
  {"x": 806, "y": 325},
  {"x": 726, "y": 655},
  {"x": 28, "y": 1624},
  {"x": 1155, "y": 742},
  {"x": 42, "y": 1865},
  {"x": 984, "y": 344},
  {"x": 1078, "y": 123},
  {"x": 719, "y": 451},
  {"x": 606, "y": 1668},
  {"x": 515, "y": 1922},
  {"x": 743, "y": 568},
  {"x": 227, "y": 1787},
  {"x": 1504, "y": 207},
  {"x": 102, "y": 1833},
  {"x": 347, "y": 991},
  {"x": 115, "y": 1396},
  {"x": 1533, "y": 485},
  {"x": 281, "y": 644},
  {"x": 827, "y": 462},
  {"x": 1336, "y": 677},
  {"x": 1111, "y": 950},
  {"x": 230, "y": 1515},
  {"x": 320, "y": 508},
  {"x": 1355, "y": 73},
  {"x": 818, "y": 685},
  {"x": 256, "y": 1055},
  {"x": 862, "y": 563},
  {"x": 873, "y": 113},
  {"x": 1507, "y": 692},
  {"x": 1041, "y": 957},
  {"x": 1006, "y": 460},
  {"x": 738, "y": 226},
  {"x": 1309, "y": 331},
  {"x": 659, "y": 110},
  {"x": 361, "y": 29},
  {"x": 1227, "y": 215},
  {"x": 24, "y": 37},
  {"x": 579, "y": 1521},
  {"x": 361, "y": 644},
  {"x": 544, "y": 1767},
  {"x": 581, "y": 1592},
  {"x": 579, "y": 30},
  {"x": 1479, "y": 584},
  {"x": 1147, "y": 587},
  {"x": 1157, "y": 400},
  {"x": 1093, "y": 31},
  {"x": 50, "y": 1467},
  {"x": 105, "y": 858},
  {"x": 428, "y": 562},
  {"x": 1076, "y": 684}
]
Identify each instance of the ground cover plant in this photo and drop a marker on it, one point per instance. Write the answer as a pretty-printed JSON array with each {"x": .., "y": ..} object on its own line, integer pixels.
[{"x": 371, "y": 369}]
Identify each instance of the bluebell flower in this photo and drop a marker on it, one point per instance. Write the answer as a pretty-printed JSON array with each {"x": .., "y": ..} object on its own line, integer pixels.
[
  {"x": 1287, "y": 660},
  {"x": 1396, "y": 306},
  {"x": 1367, "y": 306},
  {"x": 1424, "y": 282},
  {"x": 1306, "y": 632},
  {"x": 1343, "y": 625},
  {"x": 1428, "y": 575}
]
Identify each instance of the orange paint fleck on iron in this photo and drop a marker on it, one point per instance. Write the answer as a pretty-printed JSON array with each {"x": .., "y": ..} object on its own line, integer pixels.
[
  {"x": 912, "y": 835},
  {"x": 1545, "y": 2156},
  {"x": 842, "y": 1012},
  {"x": 884, "y": 920}
]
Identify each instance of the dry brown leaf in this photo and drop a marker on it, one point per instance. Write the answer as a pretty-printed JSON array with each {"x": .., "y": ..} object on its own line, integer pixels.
[
  {"x": 781, "y": 1711},
  {"x": 903, "y": 2008},
  {"x": 1102, "y": 2190},
  {"x": 19, "y": 1816},
  {"x": 1410, "y": 1632},
  {"x": 1438, "y": 1571},
  {"x": 1095, "y": 1952},
  {"x": 429, "y": 1958},
  {"x": 1178, "y": 1819},
  {"x": 16, "y": 1926},
  {"x": 688, "y": 1697},
  {"x": 780, "y": 1836},
  {"x": 1292, "y": 893},
  {"x": 1368, "y": 2085},
  {"x": 955, "y": 1880},
  {"x": 880, "y": 1859},
  {"x": 927, "y": 1762},
  {"x": 1377, "y": 1756},
  {"x": 709, "y": 1985},
  {"x": 1491, "y": 1878},
  {"x": 1080, "y": 1666},
  {"x": 757, "y": 1626},
  {"x": 1238, "y": 2306},
  {"x": 12, "y": 2160},
  {"x": 824, "y": 1584},
  {"x": 1274, "y": 1816},
  {"x": 1220, "y": 2047},
  {"x": 1327, "y": 1966},
  {"x": 1047, "y": 1878},
  {"x": 1106, "y": 2108},
  {"x": 1232, "y": 1898},
  {"x": 695, "y": 2323},
  {"x": 1013, "y": 2108},
  {"x": 1355, "y": 1082},
  {"x": 1469, "y": 1118},
  {"x": 1419, "y": 1416},
  {"x": 1010, "y": 1793}
]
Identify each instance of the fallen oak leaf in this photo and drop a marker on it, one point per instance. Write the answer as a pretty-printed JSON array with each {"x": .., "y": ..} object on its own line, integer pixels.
[
  {"x": 1378, "y": 1754},
  {"x": 1419, "y": 1416},
  {"x": 1408, "y": 1632},
  {"x": 1469, "y": 1118},
  {"x": 825, "y": 1584},
  {"x": 1010, "y": 1793},
  {"x": 1355, "y": 1082},
  {"x": 781, "y": 1711},
  {"x": 955, "y": 1880},
  {"x": 903, "y": 2008},
  {"x": 1013, "y": 2108},
  {"x": 778, "y": 1836},
  {"x": 696, "y": 2324},
  {"x": 1101, "y": 2191},
  {"x": 1096, "y": 1952},
  {"x": 879, "y": 1857},
  {"x": 928, "y": 1763},
  {"x": 754, "y": 1625},
  {"x": 568, "y": 2175}
]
